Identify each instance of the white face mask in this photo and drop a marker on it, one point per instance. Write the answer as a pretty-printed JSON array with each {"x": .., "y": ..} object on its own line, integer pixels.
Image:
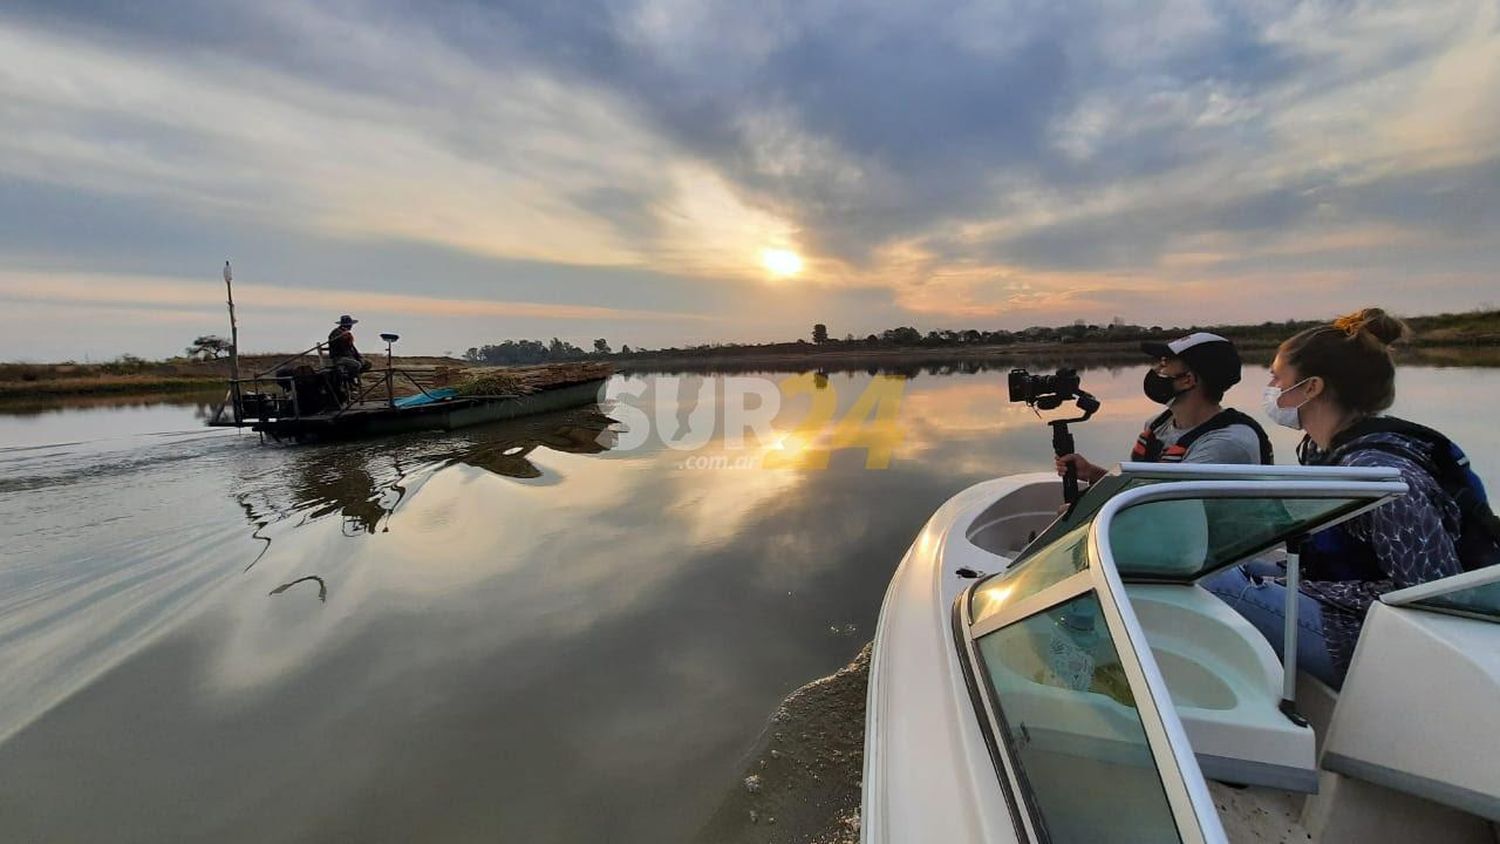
[{"x": 1289, "y": 417}]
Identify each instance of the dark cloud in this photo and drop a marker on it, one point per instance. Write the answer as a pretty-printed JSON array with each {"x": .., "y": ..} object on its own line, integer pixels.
[
  {"x": 1456, "y": 200},
  {"x": 925, "y": 118},
  {"x": 1447, "y": 201},
  {"x": 935, "y": 116}
]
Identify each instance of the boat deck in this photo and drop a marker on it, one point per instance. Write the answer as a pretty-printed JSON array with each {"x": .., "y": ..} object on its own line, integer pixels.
[{"x": 1259, "y": 814}]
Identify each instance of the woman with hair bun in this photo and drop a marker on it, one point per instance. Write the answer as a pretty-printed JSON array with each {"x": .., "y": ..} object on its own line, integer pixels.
[{"x": 1333, "y": 381}]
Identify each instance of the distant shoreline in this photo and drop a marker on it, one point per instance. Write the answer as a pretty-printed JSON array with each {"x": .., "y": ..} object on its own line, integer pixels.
[
  {"x": 1466, "y": 339},
  {"x": 1038, "y": 355},
  {"x": 23, "y": 383},
  {"x": 821, "y": 357}
]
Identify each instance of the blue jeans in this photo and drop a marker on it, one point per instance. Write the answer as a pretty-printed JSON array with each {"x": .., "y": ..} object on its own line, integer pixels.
[{"x": 1262, "y": 601}]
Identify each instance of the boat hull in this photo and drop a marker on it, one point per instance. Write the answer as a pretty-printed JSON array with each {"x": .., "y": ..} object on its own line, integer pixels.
[{"x": 927, "y": 774}]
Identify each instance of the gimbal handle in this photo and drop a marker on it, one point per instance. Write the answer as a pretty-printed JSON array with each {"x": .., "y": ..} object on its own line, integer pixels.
[{"x": 1062, "y": 443}]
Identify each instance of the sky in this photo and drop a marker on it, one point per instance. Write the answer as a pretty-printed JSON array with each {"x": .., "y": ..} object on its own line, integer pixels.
[{"x": 675, "y": 172}]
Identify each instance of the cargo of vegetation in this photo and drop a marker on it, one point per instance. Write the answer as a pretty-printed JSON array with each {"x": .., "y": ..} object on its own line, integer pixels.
[{"x": 523, "y": 380}]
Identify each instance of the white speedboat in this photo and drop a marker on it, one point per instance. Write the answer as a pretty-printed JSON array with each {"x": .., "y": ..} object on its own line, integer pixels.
[{"x": 1044, "y": 678}]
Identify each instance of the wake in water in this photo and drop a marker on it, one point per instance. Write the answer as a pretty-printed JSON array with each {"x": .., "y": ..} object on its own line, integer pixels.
[
  {"x": 108, "y": 543},
  {"x": 802, "y": 784}
]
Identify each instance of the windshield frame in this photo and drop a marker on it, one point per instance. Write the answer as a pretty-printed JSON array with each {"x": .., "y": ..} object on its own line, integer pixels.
[
  {"x": 1187, "y": 792},
  {"x": 1366, "y": 495},
  {"x": 1130, "y": 476}
]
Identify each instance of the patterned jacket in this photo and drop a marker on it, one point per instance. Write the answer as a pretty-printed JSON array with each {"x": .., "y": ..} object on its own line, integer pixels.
[{"x": 1412, "y": 539}]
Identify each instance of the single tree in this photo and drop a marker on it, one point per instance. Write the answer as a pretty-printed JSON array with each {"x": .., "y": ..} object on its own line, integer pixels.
[
  {"x": 209, "y": 347},
  {"x": 820, "y": 333},
  {"x": 601, "y": 346}
]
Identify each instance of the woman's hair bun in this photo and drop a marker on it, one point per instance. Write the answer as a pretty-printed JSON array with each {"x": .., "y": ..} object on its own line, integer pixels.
[{"x": 1376, "y": 323}]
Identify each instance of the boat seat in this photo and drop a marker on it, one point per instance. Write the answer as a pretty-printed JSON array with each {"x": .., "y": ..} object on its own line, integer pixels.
[
  {"x": 1170, "y": 538},
  {"x": 1008, "y": 525},
  {"x": 1225, "y": 682}
]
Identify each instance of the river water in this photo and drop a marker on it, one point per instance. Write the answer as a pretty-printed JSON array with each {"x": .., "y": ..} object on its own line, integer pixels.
[{"x": 567, "y": 629}]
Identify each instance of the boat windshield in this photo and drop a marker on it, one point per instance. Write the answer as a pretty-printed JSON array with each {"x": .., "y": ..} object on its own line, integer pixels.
[
  {"x": 1053, "y": 564},
  {"x": 1481, "y": 601},
  {"x": 1474, "y": 594},
  {"x": 1178, "y": 538},
  {"x": 1087, "y": 507},
  {"x": 1073, "y": 696},
  {"x": 1183, "y": 540},
  {"x": 1071, "y": 720},
  {"x": 1129, "y": 476}
]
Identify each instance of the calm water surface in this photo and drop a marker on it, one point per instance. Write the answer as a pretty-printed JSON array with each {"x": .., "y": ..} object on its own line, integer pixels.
[{"x": 523, "y": 632}]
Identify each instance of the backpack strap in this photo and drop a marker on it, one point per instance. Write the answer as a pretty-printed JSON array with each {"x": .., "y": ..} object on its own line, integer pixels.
[
  {"x": 1148, "y": 447},
  {"x": 1447, "y": 464},
  {"x": 1224, "y": 419}
]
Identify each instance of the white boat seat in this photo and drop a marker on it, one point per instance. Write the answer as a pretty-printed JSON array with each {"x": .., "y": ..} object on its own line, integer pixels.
[
  {"x": 1169, "y": 538},
  {"x": 1225, "y": 682}
]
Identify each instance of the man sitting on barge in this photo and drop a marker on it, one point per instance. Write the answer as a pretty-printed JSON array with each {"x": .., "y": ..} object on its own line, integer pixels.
[{"x": 348, "y": 363}]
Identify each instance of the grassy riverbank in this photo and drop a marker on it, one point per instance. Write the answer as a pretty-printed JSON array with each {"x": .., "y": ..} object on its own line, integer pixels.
[
  {"x": 102, "y": 385},
  {"x": 134, "y": 376}
]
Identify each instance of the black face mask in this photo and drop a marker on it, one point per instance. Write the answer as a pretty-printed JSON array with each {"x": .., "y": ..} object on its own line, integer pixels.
[{"x": 1159, "y": 389}]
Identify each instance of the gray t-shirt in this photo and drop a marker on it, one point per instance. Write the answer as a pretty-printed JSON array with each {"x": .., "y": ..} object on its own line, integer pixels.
[{"x": 1231, "y": 444}]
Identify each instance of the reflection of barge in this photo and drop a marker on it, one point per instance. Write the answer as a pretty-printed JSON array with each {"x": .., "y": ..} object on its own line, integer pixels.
[{"x": 364, "y": 484}]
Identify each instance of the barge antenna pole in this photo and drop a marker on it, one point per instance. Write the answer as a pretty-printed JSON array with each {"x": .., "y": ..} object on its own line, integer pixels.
[{"x": 234, "y": 342}]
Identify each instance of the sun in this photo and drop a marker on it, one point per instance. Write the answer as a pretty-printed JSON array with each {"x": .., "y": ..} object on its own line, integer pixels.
[{"x": 782, "y": 263}]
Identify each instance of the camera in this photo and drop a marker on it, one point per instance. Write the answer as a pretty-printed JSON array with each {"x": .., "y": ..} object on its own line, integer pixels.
[
  {"x": 1048, "y": 392},
  {"x": 1045, "y": 392}
]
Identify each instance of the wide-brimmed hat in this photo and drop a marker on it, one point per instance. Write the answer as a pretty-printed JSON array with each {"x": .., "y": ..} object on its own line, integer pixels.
[
  {"x": 347, "y": 320},
  {"x": 1211, "y": 357}
]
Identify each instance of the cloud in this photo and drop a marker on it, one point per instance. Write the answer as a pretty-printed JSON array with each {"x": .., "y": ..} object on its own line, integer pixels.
[
  {"x": 158, "y": 293},
  {"x": 976, "y": 160}
]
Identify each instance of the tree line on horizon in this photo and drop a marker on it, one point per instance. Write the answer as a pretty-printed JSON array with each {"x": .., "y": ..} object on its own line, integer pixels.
[
  {"x": 513, "y": 352},
  {"x": 1479, "y": 326}
]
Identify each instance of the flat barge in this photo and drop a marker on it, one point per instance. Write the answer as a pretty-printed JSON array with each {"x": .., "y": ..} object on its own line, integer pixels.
[{"x": 303, "y": 399}]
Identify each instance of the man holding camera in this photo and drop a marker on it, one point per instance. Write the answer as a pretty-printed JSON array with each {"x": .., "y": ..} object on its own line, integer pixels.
[{"x": 1190, "y": 376}]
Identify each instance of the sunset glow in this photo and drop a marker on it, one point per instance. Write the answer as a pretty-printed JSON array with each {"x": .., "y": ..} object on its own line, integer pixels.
[{"x": 782, "y": 263}]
